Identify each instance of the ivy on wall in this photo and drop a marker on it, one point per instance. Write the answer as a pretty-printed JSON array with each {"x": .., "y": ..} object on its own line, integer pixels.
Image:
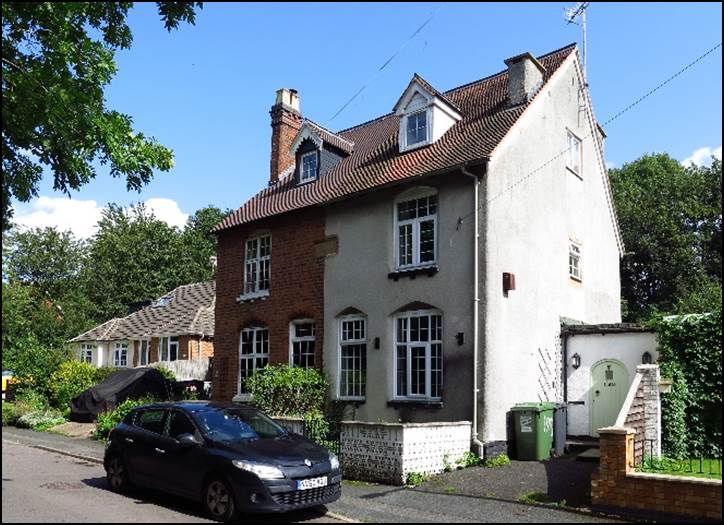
[{"x": 690, "y": 353}]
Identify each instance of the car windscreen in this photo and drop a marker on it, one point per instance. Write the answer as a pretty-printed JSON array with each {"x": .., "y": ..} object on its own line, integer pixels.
[{"x": 236, "y": 425}]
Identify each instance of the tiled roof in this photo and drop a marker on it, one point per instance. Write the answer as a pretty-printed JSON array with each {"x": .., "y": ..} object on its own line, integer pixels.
[
  {"x": 190, "y": 311},
  {"x": 377, "y": 161},
  {"x": 330, "y": 137},
  {"x": 428, "y": 87}
]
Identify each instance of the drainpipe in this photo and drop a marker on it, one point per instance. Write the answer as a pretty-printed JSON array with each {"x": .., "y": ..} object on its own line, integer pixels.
[{"x": 477, "y": 445}]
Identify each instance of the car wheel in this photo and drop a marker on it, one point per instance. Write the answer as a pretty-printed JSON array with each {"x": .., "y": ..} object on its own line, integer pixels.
[
  {"x": 219, "y": 500},
  {"x": 117, "y": 475}
]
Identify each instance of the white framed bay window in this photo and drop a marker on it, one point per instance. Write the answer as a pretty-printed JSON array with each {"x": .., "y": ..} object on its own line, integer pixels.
[
  {"x": 253, "y": 354},
  {"x": 257, "y": 265},
  {"x": 144, "y": 349},
  {"x": 169, "y": 349},
  {"x": 120, "y": 354},
  {"x": 352, "y": 358},
  {"x": 86, "y": 353},
  {"x": 416, "y": 230},
  {"x": 418, "y": 355}
]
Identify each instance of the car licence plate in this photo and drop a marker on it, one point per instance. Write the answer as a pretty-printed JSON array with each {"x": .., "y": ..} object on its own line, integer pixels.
[{"x": 312, "y": 483}]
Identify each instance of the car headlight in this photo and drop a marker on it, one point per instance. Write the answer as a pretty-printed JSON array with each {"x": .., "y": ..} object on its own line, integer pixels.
[
  {"x": 261, "y": 470},
  {"x": 333, "y": 461}
]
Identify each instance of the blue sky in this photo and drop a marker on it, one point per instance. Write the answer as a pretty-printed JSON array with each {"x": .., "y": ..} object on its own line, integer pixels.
[{"x": 205, "y": 90}]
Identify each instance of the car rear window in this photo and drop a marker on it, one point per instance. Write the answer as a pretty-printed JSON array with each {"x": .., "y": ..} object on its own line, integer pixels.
[{"x": 151, "y": 420}]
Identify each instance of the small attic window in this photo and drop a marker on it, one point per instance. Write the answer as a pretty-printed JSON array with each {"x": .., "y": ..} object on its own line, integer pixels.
[
  {"x": 417, "y": 128},
  {"x": 309, "y": 167},
  {"x": 163, "y": 301}
]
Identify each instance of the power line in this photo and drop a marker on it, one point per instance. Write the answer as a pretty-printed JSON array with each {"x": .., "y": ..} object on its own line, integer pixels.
[{"x": 387, "y": 62}]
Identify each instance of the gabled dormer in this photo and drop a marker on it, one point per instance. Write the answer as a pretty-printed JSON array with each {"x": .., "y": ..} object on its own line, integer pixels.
[
  {"x": 425, "y": 114},
  {"x": 316, "y": 151}
]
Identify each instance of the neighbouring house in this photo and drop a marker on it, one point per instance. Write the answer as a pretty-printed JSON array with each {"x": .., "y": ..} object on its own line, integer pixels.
[
  {"x": 176, "y": 327},
  {"x": 425, "y": 259}
]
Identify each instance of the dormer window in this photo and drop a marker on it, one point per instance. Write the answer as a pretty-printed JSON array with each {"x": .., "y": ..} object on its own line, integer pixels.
[
  {"x": 308, "y": 170},
  {"x": 417, "y": 128}
]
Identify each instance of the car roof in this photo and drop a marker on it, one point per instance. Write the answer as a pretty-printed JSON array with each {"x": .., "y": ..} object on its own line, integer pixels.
[{"x": 197, "y": 406}]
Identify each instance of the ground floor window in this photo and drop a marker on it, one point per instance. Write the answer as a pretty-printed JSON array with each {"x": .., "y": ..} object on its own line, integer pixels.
[
  {"x": 352, "y": 357},
  {"x": 301, "y": 343},
  {"x": 253, "y": 354},
  {"x": 418, "y": 355},
  {"x": 169, "y": 349},
  {"x": 86, "y": 353},
  {"x": 143, "y": 352},
  {"x": 120, "y": 354}
]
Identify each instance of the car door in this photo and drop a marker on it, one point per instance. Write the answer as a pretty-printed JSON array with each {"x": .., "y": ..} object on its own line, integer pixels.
[
  {"x": 145, "y": 452},
  {"x": 182, "y": 467}
]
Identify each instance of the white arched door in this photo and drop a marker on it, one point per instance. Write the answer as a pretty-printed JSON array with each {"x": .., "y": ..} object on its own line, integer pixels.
[{"x": 609, "y": 386}]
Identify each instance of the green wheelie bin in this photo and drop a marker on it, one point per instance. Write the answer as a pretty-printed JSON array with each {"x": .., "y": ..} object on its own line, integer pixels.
[{"x": 533, "y": 430}]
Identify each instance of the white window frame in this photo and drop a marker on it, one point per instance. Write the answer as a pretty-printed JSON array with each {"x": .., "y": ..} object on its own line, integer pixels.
[
  {"x": 406, "y": 146},
  {"x": 302, "y": 178},
  {"x": 427, "y": 396},
  {"x": 253, "y": 356},
  {"x": 252, "y": 290},
  {"x": 304, "y": 339},
  {"x": 575, "y": 250},
  {"x": 164, "y": 351},
  {"x": 415, "y": 224},
  {"x": 119, "y": 349},
  {"x": 86, "y": 353},
  {"x": 342, "y": 342},
  {"x": 570, "y": 152},
  {"x": 144, "y": 354}
]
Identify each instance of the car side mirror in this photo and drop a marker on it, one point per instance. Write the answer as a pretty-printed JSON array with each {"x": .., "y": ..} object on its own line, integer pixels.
[{"x": 188, "y": 440}]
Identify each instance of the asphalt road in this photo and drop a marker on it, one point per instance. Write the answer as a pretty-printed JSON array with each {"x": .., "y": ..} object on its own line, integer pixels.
[{"x": 41, "y": 486}]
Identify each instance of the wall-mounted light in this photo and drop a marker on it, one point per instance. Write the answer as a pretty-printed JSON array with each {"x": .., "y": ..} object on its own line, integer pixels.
[
  {"x": 646, "y": 358},
  {"x": 460, "y": 338},
  {"x": 575, "y": 361}
]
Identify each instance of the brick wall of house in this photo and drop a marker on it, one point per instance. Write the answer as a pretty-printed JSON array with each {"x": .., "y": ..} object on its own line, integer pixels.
[
  {"x": 616, "y": 484},
  {"x": 200, "y": 348},
  {"x": 295, "y": 291},
  {"x": 184, "y": 346}
]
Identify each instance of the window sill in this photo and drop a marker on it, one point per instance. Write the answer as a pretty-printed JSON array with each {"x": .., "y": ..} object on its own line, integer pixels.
[
  {"x": 414, "y": 272},
  {"x": 422, "y": 403},
  {"x": 252, "y": 296}
]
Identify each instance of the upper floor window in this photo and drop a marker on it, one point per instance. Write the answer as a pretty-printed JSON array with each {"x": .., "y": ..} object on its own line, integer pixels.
[
  {"x": 120, "y": 354},
  {"x": 86, "y": 353},
  {"x": 574, "y": 261},
  {"x": 417, "y": 128},
  {"x": 573, "y": 153},
  {"x": 308, "y": 171},
  {"x": 169, "y": 349},
  {"x": 416, "y": 233},
  {"x": 253, "y": 354},
  {"x": 352, "y": 357},
  {"x": 418, "y": 355},
  {"x": 301, "y": 343},
  {"x": 258, "y": 262}
]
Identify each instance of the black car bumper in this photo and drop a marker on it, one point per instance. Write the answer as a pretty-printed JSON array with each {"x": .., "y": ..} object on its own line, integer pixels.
[{"x": 282, "y": 495}]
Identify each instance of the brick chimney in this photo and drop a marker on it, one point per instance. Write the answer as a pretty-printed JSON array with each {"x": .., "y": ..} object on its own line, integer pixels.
[
  {"x": 286, "y": 120},
  {"x": 525, "y": 76}
]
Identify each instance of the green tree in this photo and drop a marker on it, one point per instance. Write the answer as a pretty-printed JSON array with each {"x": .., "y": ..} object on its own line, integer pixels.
[
  {"x": 57, "y": 59},
  {"x": 199, "y": 245},
  {"x": 670, "y": 218},
  {"x": 133, "y": 257}
]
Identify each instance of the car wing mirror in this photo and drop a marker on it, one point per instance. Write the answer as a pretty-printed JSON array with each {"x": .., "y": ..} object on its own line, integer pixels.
[{"x": 188, "y": 440}]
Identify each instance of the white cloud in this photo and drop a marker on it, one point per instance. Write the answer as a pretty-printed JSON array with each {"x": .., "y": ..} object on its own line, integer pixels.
[
  {"x": 82, "y": 216},
  {"x": 702, "y": 156}
]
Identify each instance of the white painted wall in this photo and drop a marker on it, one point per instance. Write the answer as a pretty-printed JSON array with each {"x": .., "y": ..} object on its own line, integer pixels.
[
  {"x": 527, "y": 232},
  {"x": 628, "y": 348}
]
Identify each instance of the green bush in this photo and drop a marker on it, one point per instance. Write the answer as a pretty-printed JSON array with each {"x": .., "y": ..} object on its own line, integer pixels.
[
  {"x": 40, "y": 420},
  {"x": 101, "y": 373},
  {"x": 281, "y": 390},
  {"x": 166, "y": 373},
  {"x": 497, "y": 461},
  {"x": 107, "y": 420},
  {"x": 10, "y": 415},
  {"x": 32, "y": 364},
  {"x": 469, "y": 459},
  {"x": 69, "y": 380},
  {"x": 416, "y": 478},
  {"x": 690, "y": 353}
]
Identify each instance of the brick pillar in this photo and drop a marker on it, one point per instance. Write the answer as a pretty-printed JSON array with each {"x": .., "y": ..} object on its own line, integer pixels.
[
  {"x": 617, "y": 459},
  {"x": 652, "y": 407}
]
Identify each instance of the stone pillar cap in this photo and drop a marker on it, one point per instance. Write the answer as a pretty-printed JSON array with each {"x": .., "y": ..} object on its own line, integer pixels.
[{"x": 616, "y": 430}]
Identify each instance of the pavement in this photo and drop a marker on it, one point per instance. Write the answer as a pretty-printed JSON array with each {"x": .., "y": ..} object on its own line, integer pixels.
[{"x": 463, "y": 496}]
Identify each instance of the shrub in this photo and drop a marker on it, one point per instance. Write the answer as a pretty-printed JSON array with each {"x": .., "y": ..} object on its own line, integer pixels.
[
  {"x": 69, "y": 380},
  {"x": 10, "y": 415},
  {"x": 416, "y": 478},
  {"x": 166, "y": 373},
  {"x": 107, "y": 420},
  {"x": 497, "y": 461},
  {"x": 40, "y": 420},
  {"x": 469, "y": 459},
  {"x": 281, "y": 390},
  {"x": 32, "y": 363},
  {"x": 103, "y": 372}
]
